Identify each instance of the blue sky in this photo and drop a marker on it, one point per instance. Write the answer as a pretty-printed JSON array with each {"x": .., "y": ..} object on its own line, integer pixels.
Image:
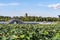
[{"x": 44, "y": 8}]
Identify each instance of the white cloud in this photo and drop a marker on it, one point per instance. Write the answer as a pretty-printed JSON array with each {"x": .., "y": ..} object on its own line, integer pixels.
[
  {"x": 54, "y": 6},
  {"x": 9, "y": 4}
]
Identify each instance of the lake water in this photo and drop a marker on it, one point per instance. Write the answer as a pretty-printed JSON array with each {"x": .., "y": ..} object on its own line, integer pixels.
[
  {"x": 40, "y": 22},
  {"x": 31, "y": 22}
]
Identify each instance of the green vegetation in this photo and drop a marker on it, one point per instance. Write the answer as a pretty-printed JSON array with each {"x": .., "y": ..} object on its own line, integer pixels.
[
  {"x": 29, "y": 32},
  {"x": 30, "y": 18}
]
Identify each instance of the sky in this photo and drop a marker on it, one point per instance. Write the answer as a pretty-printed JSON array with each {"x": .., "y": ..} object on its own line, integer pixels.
[{"x": 44, "y": 8}]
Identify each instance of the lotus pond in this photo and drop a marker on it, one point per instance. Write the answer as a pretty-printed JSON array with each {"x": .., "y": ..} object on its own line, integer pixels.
[{"x": 29, "y": 32}]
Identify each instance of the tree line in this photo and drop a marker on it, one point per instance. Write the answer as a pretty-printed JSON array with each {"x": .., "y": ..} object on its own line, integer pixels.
[{"x": 30, "y": 18}]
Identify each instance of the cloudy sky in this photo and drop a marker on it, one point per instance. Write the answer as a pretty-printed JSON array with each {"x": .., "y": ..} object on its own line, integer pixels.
[{"x": 43, "y": 8}]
